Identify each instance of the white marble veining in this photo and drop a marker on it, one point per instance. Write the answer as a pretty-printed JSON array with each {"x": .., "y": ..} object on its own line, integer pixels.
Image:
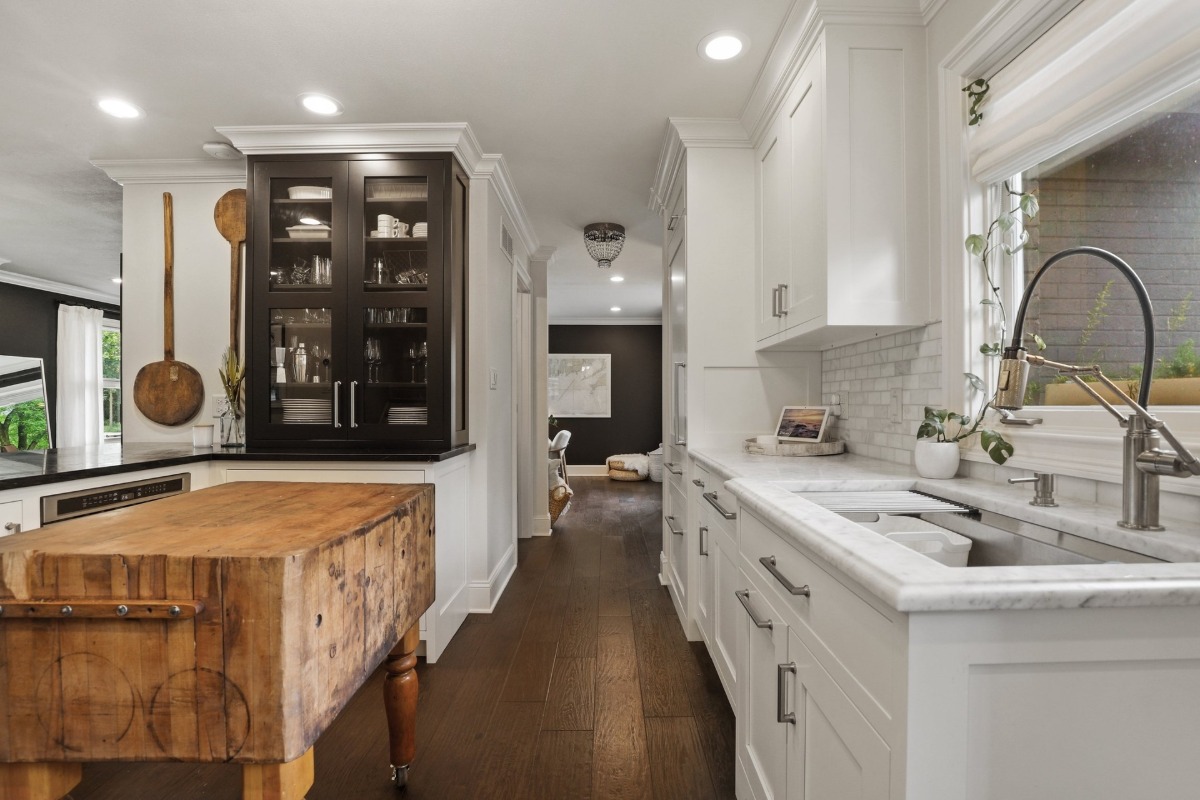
[{"x": 909, "y": 581}]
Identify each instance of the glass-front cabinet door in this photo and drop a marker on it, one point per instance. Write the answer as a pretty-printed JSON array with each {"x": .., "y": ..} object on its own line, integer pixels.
[{"x": 349, "y": 294}]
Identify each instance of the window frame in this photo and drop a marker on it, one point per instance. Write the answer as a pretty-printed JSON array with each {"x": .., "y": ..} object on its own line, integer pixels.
[
  {"x": 107, "y": 324},
  {"x": 1077, "y": 440}
]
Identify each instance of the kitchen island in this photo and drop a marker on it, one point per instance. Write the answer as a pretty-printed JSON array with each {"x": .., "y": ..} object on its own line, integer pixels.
[
  {"x": 230, "y": 624},
  {"x": 868, "y": 669}
]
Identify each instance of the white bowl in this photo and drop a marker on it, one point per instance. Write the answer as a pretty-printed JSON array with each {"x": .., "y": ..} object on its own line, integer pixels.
[{"x": 310, "y": 192}]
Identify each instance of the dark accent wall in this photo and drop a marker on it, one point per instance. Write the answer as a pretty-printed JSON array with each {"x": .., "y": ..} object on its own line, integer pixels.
[
  {"x": 636, "y": 422},
  {"x": 29, "y": 328}
]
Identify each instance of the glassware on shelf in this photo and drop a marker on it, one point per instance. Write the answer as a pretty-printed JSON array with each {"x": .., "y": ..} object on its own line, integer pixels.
[
  {"x": 421, "y": 372},
  {"x": 374, "y": 356}
]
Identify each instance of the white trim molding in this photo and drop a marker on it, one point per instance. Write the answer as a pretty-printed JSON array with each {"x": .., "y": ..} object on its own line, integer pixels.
[
  {"x": 54, "y": 287},
  {"x": 454, "y": 137},
  {"x": 483, "y": 595},
  {"x": 493, "y": 168},
  {"x": 606, "y": 321},
  {"x": 689, "y": 132},
  {"x": 166, "y": 170}
]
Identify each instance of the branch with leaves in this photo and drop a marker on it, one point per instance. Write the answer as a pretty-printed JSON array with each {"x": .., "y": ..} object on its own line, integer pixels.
[{"x": 233, "y": 375}]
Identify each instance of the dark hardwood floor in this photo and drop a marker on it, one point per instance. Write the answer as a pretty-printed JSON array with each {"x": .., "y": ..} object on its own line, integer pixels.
[{"x": 580, "y": 685}]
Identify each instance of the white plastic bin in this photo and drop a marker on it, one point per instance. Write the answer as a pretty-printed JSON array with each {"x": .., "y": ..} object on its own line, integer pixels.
[
  {"x": 655, "y": 463},
  {"x": 943, "y": 546}
]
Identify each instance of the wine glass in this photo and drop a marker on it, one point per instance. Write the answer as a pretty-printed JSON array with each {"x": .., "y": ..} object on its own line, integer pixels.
[{"x": 372, "y": 355}]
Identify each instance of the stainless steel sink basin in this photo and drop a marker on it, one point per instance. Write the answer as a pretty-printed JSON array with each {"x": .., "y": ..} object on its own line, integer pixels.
[{"x": 996, "y": 540}]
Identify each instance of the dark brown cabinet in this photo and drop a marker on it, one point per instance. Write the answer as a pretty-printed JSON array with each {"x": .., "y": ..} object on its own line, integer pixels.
[{"x": 357, "y": 291}]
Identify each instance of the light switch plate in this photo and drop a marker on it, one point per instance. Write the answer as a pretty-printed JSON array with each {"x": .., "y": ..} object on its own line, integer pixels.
[{"x": 493, "y": 378}]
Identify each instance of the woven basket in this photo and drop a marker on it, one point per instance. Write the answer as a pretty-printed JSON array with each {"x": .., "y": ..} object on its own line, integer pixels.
[
  {"x": 625, "y": 474},
  {"x": 560, "y": 498},
  {"x": 755, "y": 447}
]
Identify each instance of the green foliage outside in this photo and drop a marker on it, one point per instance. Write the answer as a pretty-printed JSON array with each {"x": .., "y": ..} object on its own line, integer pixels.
[
  {"x": 23, "y": 426},
  {"x": 110, "y": 345}
]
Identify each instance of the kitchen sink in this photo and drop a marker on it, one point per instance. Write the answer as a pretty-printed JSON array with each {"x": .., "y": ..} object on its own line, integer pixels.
[{"x": 996, "y": 540}]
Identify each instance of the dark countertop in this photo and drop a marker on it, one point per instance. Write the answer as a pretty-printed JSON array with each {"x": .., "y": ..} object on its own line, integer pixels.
[{"x": 37, "y": 467}]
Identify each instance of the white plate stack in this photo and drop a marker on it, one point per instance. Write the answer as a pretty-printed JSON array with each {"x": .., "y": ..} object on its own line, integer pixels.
[
  {"x": 306, "y": 411},
  {"x": 420, "y": 230},
  {"x": 408, "y": 415}
]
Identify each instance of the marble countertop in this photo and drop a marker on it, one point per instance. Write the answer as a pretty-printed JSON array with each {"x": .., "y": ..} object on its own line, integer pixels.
[
  {"x": 37, "y": 467},
  {"x": 909, "y": 581}
]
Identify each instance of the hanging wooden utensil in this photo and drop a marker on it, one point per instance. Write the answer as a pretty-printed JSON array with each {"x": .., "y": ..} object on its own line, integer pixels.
[
  {"x": 230, "y": 216},
  {"x": 168, "y": 392}
]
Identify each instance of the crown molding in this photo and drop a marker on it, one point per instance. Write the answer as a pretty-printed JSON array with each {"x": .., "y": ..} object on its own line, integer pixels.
[
  {"x": 164, "y": 170},
  {"x": 605, "y": 321},
  {"x": 544, "y": 253},
  {"x": 494, "y": 169},
  {"x": 689, "y": 132},
  {"x": 452, "y": 137},
  {"x": 54, "y": 287},
  {"x": 797, "y": 36}
]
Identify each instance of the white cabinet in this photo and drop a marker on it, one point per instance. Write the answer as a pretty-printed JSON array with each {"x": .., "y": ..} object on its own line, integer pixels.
[
  {"x": 10, "y": 517},
  {"x": 451, "y": 480},
  {"x": 841, "y": 203},
  {"x": 675, "y": 545},
  {"x": 719, "y": 617}
]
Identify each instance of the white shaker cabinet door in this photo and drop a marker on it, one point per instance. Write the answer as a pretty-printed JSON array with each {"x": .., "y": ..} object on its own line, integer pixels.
[
  {"x": 761, "y": 737},
  {"x": 832, "y": 751}
]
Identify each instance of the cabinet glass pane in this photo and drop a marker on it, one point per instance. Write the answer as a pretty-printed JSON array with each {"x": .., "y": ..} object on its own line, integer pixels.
[
  {"x": 301, "y": 230},
  {"x": 396, "y": 233},
  {"x": 396, "y": 363},
  {"x": 302, "y": 364}
]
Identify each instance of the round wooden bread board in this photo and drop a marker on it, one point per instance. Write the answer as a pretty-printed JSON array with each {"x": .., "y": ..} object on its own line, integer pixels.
[{"x": 757, "y": 448}]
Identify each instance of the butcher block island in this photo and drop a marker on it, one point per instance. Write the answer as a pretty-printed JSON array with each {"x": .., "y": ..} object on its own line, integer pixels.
[{"x": 230, "y": 624}]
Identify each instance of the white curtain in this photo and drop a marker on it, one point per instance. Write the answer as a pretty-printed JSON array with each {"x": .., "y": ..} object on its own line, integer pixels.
[{"x": 80, "y": 377}]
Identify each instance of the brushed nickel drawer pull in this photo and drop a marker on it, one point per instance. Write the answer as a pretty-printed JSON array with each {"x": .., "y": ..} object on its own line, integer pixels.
[
  {"x": 781, "y": 715},
  {"x": 337, "y": 412},
  {"x": 673, "y": 222},
  {"x": 703, "y": 540},
  {"x": 671, "y": 468},
  {"x": 15, "y": 527},
  {"x": 671, "y": 526},
  {"x": 743, "y": 596},
  {"x": 698, "y": 482},
  {"x": 711, "y": 497},
  {"x": 769, "y": 563}
]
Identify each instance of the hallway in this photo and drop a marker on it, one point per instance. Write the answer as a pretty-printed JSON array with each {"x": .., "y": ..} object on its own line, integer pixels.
[{"x": 580, "y": 685}]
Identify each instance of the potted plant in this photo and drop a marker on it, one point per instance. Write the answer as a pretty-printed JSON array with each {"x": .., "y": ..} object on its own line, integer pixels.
[
  {"x": 937, "y": 452},
  {"x": 233, "y": 374}
]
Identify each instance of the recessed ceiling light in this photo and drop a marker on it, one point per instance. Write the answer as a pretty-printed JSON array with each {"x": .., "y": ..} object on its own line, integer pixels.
[
  {"x": 221, "y": 150},
  {"x": 116, "y": 280},
  {"x": 121, "y": 109},
  {"x": 723, "y": 45},
  {"x": 615, "y": 308},
  {"x": 617, "y": 278},
  {"x": 321, "y": 104}
]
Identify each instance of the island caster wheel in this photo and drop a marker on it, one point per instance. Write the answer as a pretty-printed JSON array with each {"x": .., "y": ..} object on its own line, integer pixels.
[{"x": 400, "y": 777}]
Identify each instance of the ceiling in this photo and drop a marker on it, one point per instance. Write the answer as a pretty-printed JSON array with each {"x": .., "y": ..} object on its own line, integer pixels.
[{"x": 575, "y": 96}]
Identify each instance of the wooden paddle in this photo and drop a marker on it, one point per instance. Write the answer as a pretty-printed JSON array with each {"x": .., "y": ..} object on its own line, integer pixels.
[
  {"x": 230, "y": 216},
  {"x": 168, "y": 392}
]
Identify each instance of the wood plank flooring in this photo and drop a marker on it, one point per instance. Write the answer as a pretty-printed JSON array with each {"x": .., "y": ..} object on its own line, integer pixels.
[{"x": 580, "y": 685}]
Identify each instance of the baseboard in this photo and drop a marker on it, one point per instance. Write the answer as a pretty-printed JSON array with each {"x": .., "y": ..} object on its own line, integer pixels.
[
  {"x": 484, "y": 594},
  {"x": 541, "y": 525},
  {"x": 662, "y": 568}
]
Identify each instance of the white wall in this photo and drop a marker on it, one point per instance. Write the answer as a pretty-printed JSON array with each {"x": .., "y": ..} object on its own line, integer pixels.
[{"x": 201, "y": 294}]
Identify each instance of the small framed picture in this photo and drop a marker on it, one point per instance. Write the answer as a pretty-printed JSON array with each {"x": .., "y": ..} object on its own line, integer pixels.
[{"x": 802, "y": 424}]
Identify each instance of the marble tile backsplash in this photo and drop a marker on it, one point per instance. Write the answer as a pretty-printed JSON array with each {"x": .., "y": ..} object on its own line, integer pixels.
[{"x": 864, "y": 376}]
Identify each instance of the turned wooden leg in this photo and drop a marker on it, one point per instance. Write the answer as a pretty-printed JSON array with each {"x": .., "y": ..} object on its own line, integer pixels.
[
  {"x": 38, "y": 781},
  {"x": 400, "y": 701},
  {"x": 287, "y": 781}
]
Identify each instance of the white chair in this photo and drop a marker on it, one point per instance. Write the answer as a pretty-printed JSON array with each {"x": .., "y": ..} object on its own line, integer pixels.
[{"x": 558, "y": 450}]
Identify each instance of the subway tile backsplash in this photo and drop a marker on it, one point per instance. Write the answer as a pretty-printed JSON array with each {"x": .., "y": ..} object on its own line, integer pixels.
[{"x": 864, "y": 376}]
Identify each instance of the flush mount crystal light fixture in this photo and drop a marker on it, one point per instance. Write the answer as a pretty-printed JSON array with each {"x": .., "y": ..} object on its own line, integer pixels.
[
  {"x": 604, "y": 241},
  {"x": 320, "y": 104}
]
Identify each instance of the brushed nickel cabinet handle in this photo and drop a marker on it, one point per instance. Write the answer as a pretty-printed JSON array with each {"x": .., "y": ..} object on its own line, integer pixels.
[
  {"x": 670, "y": 465},
  {"x": 743, "y": 596},
  {"x": 783, "y": 287},
  {"x": 775, "y": 302},
  {"x": 703, "y": 540},
  {"x": 698, "y": 482},
  {"x": 671, "y": 526},
  {"x": 678, "y": 412},
  {"x": 781, "y": 714},
  {"x": 769, "y": 563},
  {"x": 337, "y": 412},
  {"x": 353, "y": 386},
  {"x": 673, "y": 222},
  {"x": 711, "y": 497},
  {"x": 12, "y": 527}
]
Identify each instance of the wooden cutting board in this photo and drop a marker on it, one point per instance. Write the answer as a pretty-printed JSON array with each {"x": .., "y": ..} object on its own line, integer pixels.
[{"x": 290, "y": 595}]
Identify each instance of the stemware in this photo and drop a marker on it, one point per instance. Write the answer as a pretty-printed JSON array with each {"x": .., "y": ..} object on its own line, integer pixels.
[{"x": 374, "y": 356}]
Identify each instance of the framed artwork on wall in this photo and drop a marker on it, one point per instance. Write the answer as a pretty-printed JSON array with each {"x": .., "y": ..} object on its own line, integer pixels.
[
  {"x": 580, "y": 384},
  {"x": 802, "y": 424}
]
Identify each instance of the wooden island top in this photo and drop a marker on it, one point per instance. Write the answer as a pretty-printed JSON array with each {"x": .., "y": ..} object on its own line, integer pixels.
[{"x": 227, "y": 624}]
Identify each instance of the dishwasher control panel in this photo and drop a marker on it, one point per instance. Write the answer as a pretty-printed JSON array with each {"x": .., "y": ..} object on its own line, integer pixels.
[{"x": 68, "y": 505}]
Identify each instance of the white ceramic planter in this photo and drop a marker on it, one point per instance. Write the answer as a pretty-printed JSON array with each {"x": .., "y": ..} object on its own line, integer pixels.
[{"x": 936, "y": 459}]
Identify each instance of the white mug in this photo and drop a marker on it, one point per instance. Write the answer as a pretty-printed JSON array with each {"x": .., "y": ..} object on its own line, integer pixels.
[{"x": 399, "y": 229}]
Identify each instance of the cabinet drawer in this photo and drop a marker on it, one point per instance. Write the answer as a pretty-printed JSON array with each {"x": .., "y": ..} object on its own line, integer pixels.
[
  {"x": 859, "y": 644},
  {"x": 10, "y": 517}
]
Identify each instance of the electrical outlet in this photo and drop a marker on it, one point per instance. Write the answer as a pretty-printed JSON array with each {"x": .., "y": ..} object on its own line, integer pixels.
[
  {"x": 493, "y": 378},
  {"x": 220, "y": 404},
  {"x": 895, "y": 409}
]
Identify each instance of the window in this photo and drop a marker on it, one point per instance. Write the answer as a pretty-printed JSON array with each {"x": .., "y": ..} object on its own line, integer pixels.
[
  {"x": 110, "y": 349},
  {"x": 1137, "y": 195}
]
